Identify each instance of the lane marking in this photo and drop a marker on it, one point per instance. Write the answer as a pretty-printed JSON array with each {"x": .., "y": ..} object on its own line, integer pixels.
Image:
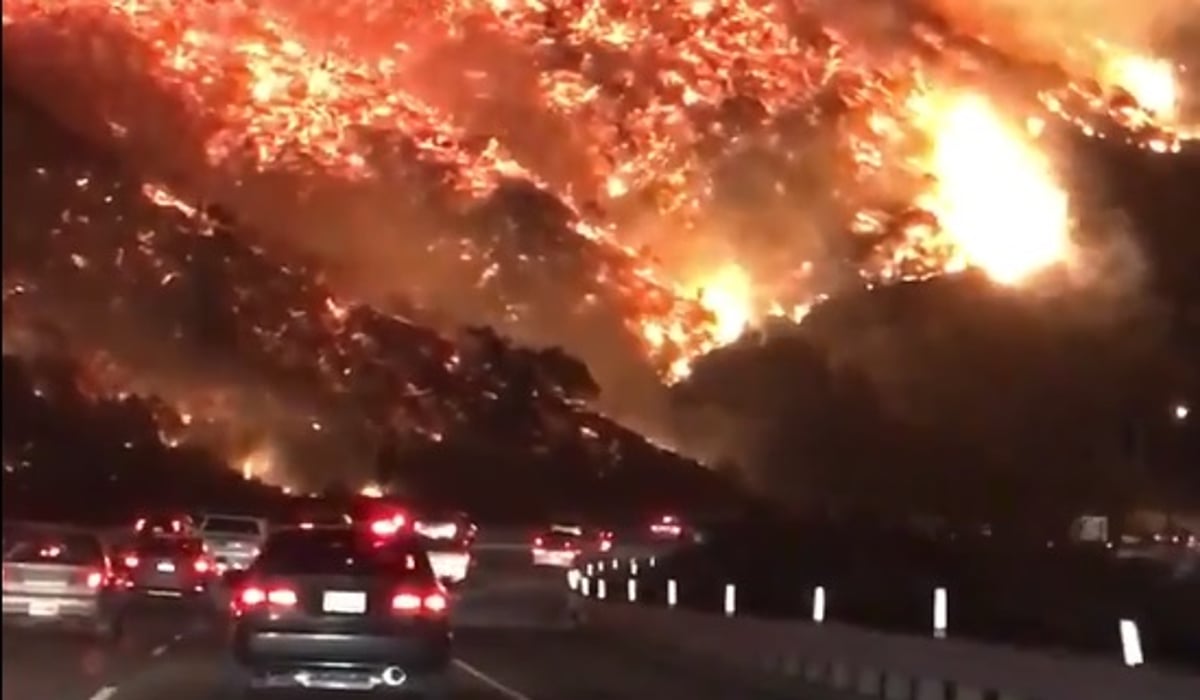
[
  {"x": 158, "y": 650},
  {"x": 489, "y": 681},
  {"x": 104, "y": 693}
]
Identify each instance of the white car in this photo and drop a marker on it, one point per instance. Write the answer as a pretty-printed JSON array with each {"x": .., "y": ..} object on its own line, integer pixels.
[{"x": 233, "y": 541}]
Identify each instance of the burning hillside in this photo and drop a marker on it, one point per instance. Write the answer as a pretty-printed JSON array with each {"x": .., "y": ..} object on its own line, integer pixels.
[
  {"x": 157, "y": 297},
  {"x": 634, "y": 182}
]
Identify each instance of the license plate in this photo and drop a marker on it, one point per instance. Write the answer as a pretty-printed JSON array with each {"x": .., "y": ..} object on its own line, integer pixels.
[
  {"x": 351, "y": 602},
  {"x": 40, "y": 608},
  {"x": 166, "y": 567}
]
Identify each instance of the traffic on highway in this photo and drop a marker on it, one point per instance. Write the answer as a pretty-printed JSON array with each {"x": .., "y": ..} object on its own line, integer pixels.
[{"x": 329, "y": 599}]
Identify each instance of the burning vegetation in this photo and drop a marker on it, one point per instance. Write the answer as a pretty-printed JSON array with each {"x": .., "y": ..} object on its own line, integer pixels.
[{"x": 634, "y": 182}]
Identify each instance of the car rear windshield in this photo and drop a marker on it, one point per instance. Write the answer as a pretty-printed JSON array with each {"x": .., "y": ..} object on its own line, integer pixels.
[
  {"x": 343, "y": 552},
  {"x": 55, "y": 548},
  {"x": 235, "y": 526},
  {"x": 170, "y": 546},
  {"x": 558, "y": 540}
]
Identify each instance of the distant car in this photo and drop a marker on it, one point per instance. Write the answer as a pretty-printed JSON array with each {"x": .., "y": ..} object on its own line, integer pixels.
[
  {"x": 382, "y": 516},
  {"x": 315, "y": 514},
  {"x": 233, "y": 541},
  {"x": 557, "y": 549},
  {"x": 165, "y": 525},
  {"x": 61, "y": 577},
  {"x": 668, "y": 527},
  {"x": 173, "y": 568},
  {"x": 448, "y": 537},
  {"x": 343, "y": 610}
]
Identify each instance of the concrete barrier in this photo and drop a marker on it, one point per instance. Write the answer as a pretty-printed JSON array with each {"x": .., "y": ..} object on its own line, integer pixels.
[{"x": 860, "y": 662}]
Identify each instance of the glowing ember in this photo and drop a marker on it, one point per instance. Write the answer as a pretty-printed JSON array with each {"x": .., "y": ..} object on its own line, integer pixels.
[{"x": 995, "y": 195}]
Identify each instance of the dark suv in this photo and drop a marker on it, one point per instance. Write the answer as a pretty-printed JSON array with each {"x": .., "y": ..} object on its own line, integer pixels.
[{"x": 342, "y": 610}]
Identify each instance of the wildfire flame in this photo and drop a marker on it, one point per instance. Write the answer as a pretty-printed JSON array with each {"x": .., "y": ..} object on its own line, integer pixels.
[
  {"x": 994, "y": 195},
  {"x": 645, "y": 88}
]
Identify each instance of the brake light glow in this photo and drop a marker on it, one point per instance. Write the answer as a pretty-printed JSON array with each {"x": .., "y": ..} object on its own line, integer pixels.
[
  {"x": 605, "y": 545},
  {"x": 252, "y": 596},
  {"x": 94, "y": 579},
  {"x": 131, "y": 561},
  {"x": 176, "y": 526},
  {"x": 202, "y": 566},
  {"x": 140, "y": 524},
  {"x": 384, "y": 527},
  {"x": 306, "y": 526},
  {"x": 280, "y": 597},
  {"x": 283, "y": 597},
  {"x": 537, "y": 542},
  {"x": 414, "y": 602}
]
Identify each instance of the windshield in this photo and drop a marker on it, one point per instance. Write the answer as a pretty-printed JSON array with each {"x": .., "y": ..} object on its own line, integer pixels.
[
  {"x": 342, "y": 552},
  {"x": 54, "y": 548},
  {"x": 232, "y": 526},
  {"x": 169, "y": 546}
]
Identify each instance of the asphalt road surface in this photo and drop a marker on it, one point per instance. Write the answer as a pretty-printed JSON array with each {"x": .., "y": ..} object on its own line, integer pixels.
[{"x": 513, "y": 641}]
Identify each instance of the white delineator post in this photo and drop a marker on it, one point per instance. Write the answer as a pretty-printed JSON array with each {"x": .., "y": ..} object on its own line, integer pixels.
[
  {"x": 631, "y": 590},
  {"x": 672, "y": 593},
  {"x": 601, "y": 589},
  {"x": 585, "y": 586},
  {"x": 730, "y": 600},
  {"x": 818, "y": 611},
  {"x": 940, "y": 612},
  {"x": 633, "y": 567},
  {"x": 1131, "y": 644}
]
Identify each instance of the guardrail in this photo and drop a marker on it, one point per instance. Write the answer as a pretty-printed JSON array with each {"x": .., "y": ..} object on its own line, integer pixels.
[{"x": 860, "y": 662}]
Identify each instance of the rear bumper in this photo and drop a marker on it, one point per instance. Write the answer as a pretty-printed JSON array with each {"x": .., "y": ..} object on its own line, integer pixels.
[
  {"x": 556, "y": 558},
  {"x": 51, "y": 607},
  {"x": 287, "y": 651}
]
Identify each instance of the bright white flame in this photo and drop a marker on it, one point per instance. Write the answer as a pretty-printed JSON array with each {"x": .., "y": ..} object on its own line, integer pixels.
[{"x": 995, "y": 196}]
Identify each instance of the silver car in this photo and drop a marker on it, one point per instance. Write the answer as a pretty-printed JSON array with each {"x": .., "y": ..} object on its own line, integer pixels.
[
  {"x": 61, "y": 577},
  {"x": 233, "y": 541}
]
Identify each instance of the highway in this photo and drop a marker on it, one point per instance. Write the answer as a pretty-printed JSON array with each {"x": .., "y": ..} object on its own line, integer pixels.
[{"x": 514, "y": 640}]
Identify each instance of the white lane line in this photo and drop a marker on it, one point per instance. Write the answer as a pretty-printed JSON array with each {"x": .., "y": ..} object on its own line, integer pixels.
[
  {"x": 490, "y": 682},
  {"x": 104, "y": 693},
  {"x": 158, "y": 650}
]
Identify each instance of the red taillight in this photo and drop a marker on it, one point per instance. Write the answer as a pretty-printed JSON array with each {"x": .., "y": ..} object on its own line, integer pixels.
[
  {"x": 202, "y": 565},
  {"x": 412, "y": 602},
  {"x": 94, "y": 579},
  {"x": 435, "y": 603},
  {"x": 252, "y": 596},
  {"x": 306, "y": 526},
  {"x": 400, "y": 520},
  {"x": 384, "y": 527},
  {"x": 140, "y": 524},
  {"x": 176, "y": 526},
  {"x": 280, "y": 597},
  {"x": 130, "y": 561},
  {"x": 537, "y": 542}
]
